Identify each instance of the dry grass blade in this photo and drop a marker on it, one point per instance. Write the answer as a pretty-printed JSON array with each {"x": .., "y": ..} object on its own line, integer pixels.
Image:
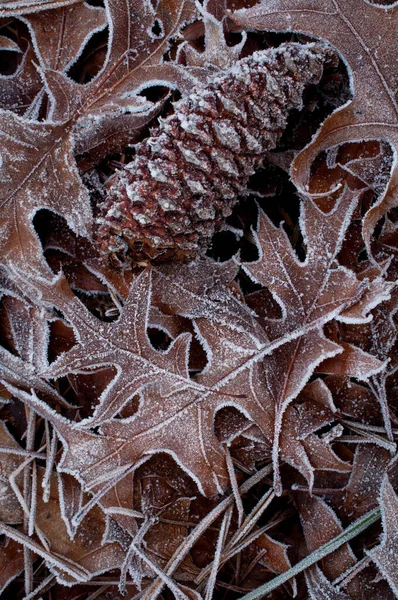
[
  {"x": 217, "y": 555},
  {"x": 236, "y": 541},
  {"x": 195, "y": 534},
  {"x": 76, "y": 572},
  {"x": 234, "y": 485},
  {"x": 44, "y": 585}
]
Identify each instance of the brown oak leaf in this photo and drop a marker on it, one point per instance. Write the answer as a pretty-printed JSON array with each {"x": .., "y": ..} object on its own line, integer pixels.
[
  {"x": 19, "y": 89},
  {"x": 314, "y": 510},
  {"x": 368, "y": 47},
  {"x": 11, "y": 562},
  {"x": 123, "y": 344},
  {"x": 10, "y": 8},
  {"x": 37, "y": 171},
  {"x": 109, "y": 111},
  {"x": 310, "y": 293},
  {"x": 12, "y": 457},
  {"x": 260, "y": 378},
  {"x": 362, "y": 490},
  {"x": 57, "y": 41},
  {"x": 320, "y": 588},
  {"x": 385, "y": 554},
  {"x": 74, "y": 560}
]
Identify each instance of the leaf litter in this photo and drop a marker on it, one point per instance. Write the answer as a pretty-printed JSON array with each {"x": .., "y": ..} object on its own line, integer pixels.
[{"x": 214, "y": 425}]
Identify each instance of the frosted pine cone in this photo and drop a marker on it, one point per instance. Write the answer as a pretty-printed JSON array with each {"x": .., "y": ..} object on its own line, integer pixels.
[{"x": 186, "y": 177}]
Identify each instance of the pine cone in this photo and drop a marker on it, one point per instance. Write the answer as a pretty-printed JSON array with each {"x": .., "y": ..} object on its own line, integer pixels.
[{"x": 186, "y": 177}]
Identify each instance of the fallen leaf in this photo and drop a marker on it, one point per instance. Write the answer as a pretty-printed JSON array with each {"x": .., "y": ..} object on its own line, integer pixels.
[
  {"x": 57, "y": 41},
  {"x": 363, "y": 488},
  {"x": 37, "y": 171},
  {"x": 314, "y": 510},
  {"x": 18, "y": 7},
  {"x": 11, "y": 562},
  {"x": 320, "y": 588},
  {"x": 385, "y": 555},
  {"x": 259, "y": 378},
  {"x": 372, "y": 113},
  {"x": 12, "y": 457}
]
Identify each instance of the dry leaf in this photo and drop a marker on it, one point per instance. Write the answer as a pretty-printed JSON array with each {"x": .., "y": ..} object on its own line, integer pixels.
[
  {"x": 370, "y": 56},
  {"x": 384, "y": 554}
]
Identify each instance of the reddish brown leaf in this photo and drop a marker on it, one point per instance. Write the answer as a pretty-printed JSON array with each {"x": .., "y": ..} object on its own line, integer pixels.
[
  {"x": 130, "y": 354},
  {"x": 320, "y": 588},
  {"x": 37, "y": 171},
  {"x": 11, "y": 562},
  {"x": 12, "y": 457},
  {"x": 363, "y": 488},
  {"x": 57, "y": 41},
  {"x": 386, "y": 554},
  {"x": 20, "y": 7},
  {"x": 314, "y": 510},
  {"x": 259, "y": 378},
  {"x": 18, "y": 90},
  {"x": 128, "y": 70},
  {"x": 370, "y": 55}
]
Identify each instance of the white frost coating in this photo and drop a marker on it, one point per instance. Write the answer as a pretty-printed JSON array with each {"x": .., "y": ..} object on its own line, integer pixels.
[
  {"x": 252, "y": 143},
  {"x": 132, "y": 193},
  {"x": 195, "y": 186},
  {"x": 78, "y": 573},
  {"x": 142, "y": 218},
  {"x": 71, "y": 528},
  {"x": 83, "y": 43},
  {"x": 280, "y": 410},
  {"x": 227, "y": 135},
  {"x": 385, "y": 294},
  {"x": 193, "y": 157},
  {"x": 229, "y": 105},
  {"x": 180, "y": 464},
  {"x": 156, "y": 36},
  {"x": 166, "y": 204},
  {"x": 205, "y": 345},
  {"x": 217, "y": 555},
  {"x": 157, "y": 173},
  {"x": 224, "y": 164}
]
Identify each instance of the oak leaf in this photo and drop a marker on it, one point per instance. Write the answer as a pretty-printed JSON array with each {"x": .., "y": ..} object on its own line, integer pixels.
[
  {"x": 37, "y": 168},
  {"x": 87, "y": 549},
  {"x": 57, "y": 41},
  {"x": 19, "y": 89},
  {"x": 19, "y": 7},
  {"x": 259, "y": 377},
  {"x": 123, "y": 344},
  {"x": 367, "y": 45},
  {"x": 363, "y": 488},
  {"x": 37, "y": 171},
  {"x": 314, "y": 510},
  {"x": 11, "y": 459},
  {"x": 16, "y": 371},
  {"x": 386, "y": 554},
  {"x": 27, "y": 342},
  {"x": 320, "y": 588},
  {"x": 74, "y": 560},
  {"x": 109, "y": 111},
  {"x": 11, "y": 562},
  {"x": 310, "y": 293}
]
